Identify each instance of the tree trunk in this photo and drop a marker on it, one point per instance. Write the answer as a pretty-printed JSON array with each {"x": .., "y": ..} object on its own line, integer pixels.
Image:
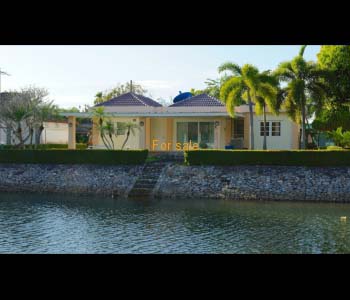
[
  {"x": 31, "y": 130},
  {"x": 264, "y": 112},
  {"x": 38, "y": 135},
  {"x": 304, "y": 138},
  {"x": 251, "y": 125},
  {"x": 127, "y": 137}
]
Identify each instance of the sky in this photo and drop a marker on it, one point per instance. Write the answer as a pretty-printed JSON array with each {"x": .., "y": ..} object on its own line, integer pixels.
[{"x": 74, "y": 74}]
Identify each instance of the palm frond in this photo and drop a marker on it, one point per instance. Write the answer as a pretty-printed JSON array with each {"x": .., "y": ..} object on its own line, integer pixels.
[
  {"x": 228, "y": 86},
  {"x": 302, "y": 50},
  {"x": 232, "y": 67}
]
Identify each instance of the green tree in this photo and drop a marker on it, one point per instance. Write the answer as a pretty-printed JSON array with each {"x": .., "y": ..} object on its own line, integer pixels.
[
  {"x": 241, "y": 88},
  {"x": 119, "y": 90},
  {"x": 104, "y": 129},
  {"x": 212, "y": 87},
  {"x": 130, "y": 127},
  {"x": 331, "y": 119},
  {"x": 336, "y": 60},
  {"x": 341, "y": 138},
  {"x": 303, "y": 87},
  {"x": 266, "y": 97},
  {"x": 24, "y": 112}
]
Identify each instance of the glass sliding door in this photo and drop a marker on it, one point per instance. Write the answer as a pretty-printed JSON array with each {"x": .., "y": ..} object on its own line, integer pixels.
[
  {"x": 196, "y": 132},
  {"x": 206, "y": 131},
  {"x": 182, "y": 132},
  {"x": 193, "y": 132}
]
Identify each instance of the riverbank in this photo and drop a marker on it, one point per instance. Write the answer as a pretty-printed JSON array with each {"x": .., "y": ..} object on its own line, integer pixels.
[{"x": 329, "y": 184}]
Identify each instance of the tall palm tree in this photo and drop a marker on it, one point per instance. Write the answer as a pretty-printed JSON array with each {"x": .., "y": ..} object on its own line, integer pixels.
[
  {"x": 240, "y": 88},
  {"x": 266, "y": 97},
  {"x": 303, "y": 86}
]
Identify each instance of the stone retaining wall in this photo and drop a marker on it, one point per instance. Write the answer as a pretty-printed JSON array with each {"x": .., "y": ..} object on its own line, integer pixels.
[
  {"x": 255, "y": 183},
  {"x": 83, "y": 179},
  {"x": 176, "y": 180}
]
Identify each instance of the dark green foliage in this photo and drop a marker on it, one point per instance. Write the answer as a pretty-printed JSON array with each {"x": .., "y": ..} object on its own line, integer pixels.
[
  {"x": 103, "y": 157},
  {"x": 79, "y": 146},
  {"x": 336, "y": 59},
  {"x": 331, "y": 119},
  {"x": 257, "y": 157}
]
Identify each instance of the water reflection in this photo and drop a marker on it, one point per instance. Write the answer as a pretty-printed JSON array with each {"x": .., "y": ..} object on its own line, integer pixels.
[{"x": 72, "y": 224}]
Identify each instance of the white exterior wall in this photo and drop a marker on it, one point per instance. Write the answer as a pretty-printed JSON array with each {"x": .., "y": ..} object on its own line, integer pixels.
[
  {"x": 54, "y": 133},
  {"x": 282, "y": 142},
  {"x": 3, "y": 135}
]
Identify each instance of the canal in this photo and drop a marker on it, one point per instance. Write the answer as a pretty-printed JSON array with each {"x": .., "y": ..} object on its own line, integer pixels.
[{"x": 42, "y": 223}]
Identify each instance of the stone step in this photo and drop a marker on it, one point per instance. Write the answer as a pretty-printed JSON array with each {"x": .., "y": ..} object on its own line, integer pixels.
[
  {"x": 143, "y": 185},
  {"x": 148, "y": 179}
]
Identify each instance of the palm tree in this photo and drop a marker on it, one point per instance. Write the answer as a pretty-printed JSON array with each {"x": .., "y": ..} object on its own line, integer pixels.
[
  {"x": 43, "y": 112},
  {"x": 105, "y": 127},
  {"x": 266, "y": 97},
  {"x": 240, "y": 88},
  {"x": 303, "y": 86},
  {"x": 130, "y": 128}
]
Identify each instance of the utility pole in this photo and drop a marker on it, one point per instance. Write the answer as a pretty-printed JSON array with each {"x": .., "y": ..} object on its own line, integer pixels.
[{"x": 130, "y": 86}]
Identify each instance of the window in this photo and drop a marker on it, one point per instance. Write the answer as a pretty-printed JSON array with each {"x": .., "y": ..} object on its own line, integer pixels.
[
  {"x": 120, "y": 128},
  {"x": 206, "y": 130},
  {"x": 262, "y": 128},
  {"x": 238, "y": 128},
  {"x": 196, "y": 132},
  {"x": 276, "y": 129}
]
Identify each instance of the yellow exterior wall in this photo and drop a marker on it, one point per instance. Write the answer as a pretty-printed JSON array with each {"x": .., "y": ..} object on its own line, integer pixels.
[
  {"x": 164, "y": 130},
  {"x": 133, "y": 141},
  {"x": 159, "y": 134},
  {"x": 71, "y": 132},
  {"x": 148, "y": 133},
  {"x": 228, "y": 131},
  {"x": 95, "y": 132}
]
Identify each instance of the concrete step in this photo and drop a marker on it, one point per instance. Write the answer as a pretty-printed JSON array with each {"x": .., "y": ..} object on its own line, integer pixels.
[{"x": 145, "y": 184}]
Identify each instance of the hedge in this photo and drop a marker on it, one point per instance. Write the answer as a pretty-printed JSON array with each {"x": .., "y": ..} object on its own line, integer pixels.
[
  {"x": 269, "y": 157},
  {"x": 79, "y": 146},
  {"x": 113, "y": 157}
]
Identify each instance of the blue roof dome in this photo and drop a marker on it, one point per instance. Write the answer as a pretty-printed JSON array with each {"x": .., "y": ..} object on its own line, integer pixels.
[{"x": 182, "y": 96}]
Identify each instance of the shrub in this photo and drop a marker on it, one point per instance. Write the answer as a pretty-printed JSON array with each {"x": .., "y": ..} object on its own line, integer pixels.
[
  {"x": 74, "y": 156},
  {"x": 334, "y": 148},
  {"x": 257, "y": 157},
  {"x": 79, "y": 146},
  {"x": 341, "y": 138}
]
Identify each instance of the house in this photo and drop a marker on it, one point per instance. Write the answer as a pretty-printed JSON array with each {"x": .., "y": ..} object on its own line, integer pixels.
[{"x": 201, "y": 120}]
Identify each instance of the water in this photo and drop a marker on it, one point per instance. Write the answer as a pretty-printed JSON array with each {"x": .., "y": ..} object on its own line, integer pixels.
[{"x": 72, "y": 224}]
